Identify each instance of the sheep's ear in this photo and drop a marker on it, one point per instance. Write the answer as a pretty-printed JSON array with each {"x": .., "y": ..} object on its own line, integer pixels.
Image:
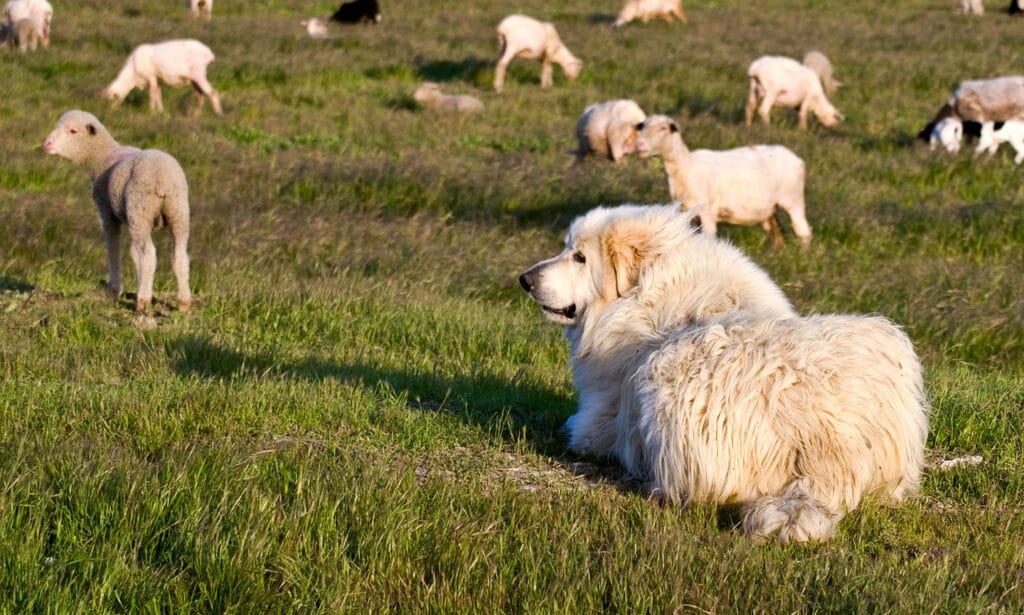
[
  {"x": 673, "y": 127},
  {"x": 91, "y": 128}
]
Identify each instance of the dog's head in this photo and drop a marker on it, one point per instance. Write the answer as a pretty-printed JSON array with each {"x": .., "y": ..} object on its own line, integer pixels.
[{"x": 605, "y": 253}]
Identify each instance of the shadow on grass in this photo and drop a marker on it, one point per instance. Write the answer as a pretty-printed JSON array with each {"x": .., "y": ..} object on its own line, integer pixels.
[
  {"x": 601, "y": 18},
  {"x": 469, "y": 70},
  {"x": 506, "y": 407},
  {"x": 14, "y": 285}
]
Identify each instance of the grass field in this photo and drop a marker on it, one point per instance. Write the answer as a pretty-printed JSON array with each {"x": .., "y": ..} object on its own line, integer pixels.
[{"x": 362, "y": 412}]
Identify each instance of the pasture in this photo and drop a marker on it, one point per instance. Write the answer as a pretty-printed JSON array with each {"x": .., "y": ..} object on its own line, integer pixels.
[{"x": 362, "y": 412}]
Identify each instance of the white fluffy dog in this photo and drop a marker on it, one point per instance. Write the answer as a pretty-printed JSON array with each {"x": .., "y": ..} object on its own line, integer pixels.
[{"x": 696, "y": 373}]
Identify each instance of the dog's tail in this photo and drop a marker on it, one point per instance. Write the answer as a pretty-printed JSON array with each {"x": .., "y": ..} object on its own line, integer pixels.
[{"x": 794, "y": 516}]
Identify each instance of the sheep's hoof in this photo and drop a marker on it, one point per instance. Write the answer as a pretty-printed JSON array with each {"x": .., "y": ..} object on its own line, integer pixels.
[
  {"x": 140, "y": 305},
  {"x": 184, "y": 306}
]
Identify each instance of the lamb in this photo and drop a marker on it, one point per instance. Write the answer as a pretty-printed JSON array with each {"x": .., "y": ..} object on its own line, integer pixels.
[
  {"x": 38, "y": 11},
  {"x": 429, "y": 95},
  {"x": 144, "y": 189},
  {"x": 22, "y": 35},
  {"x": 316, "y": 27},
  {"x": 609, "y": 129},
  {"x": 746, "y": 185},
  {"x": 358, "y": 11},
  {"x": 646, "y": 10},
  {"x": 522, "y": 36},
  {"x": 176, "y": 63},
  {"x": 995, "y": 133},
  {"x": 201, "y": 6},
  {"x": 818, "y": 62},
  {"x": 947, "y": 132},
  {"x": 787, "y": 83}
]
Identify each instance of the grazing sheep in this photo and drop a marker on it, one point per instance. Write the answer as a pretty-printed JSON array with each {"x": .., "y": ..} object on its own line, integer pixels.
[
  {"x": 358, "y": 11},
  {"x": 316, "y": 27},
  {"x": 429, "y": 95},
  {"x": 39, "y": 11},
  {"x": 201, "y": 6},
  {"x": 144, "y": 189},
  {"x": 995, "y": 133},
  {"x": 176, "y": 63},
  {"x": 947, "y": 132},
  {"x": 972, "y": 7},
  {"x": 646, "y": 10},
  {"x": 608, "y": 129},
  {"x": 22, "y": 35},
  {"x": 787, "y": 83},
  {"x": 746, "y": 185},
  {"x": 522, "y": 36},
  {"x": 818, "y": 62}
]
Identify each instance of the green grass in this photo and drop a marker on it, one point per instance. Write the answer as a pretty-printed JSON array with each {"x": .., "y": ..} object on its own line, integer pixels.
[{"x": 362, "y": 412}]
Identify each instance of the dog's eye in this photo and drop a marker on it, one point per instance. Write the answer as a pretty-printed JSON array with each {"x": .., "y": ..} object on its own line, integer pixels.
[{"x": 579, "y": 258}]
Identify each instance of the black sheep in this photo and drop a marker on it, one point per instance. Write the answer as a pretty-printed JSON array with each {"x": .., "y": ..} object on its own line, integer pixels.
[{"x": 357, "y": 11}]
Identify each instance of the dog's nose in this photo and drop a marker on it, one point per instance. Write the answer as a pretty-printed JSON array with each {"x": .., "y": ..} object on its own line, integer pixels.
[{"x": 526, "y": 281}]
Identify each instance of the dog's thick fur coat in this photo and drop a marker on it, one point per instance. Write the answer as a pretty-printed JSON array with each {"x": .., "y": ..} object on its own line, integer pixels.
[{"x": 697, "y": 374}]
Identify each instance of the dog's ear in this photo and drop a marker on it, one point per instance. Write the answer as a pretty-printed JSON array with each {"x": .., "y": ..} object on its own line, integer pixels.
[{"x": 625, "y": 248}]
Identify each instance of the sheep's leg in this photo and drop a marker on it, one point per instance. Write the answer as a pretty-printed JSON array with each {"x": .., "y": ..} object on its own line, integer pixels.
[
  {"x": 156, "y": 102},
  {"x": 751, "y": 101},
  {"x": 504, "y": 58},
  {"x": 766, "y": 107},
  {"x": 798, "y": 217},
  {"x": 773, "y": 227},
  {"x": 804, "y": 108},
  {"x": 179, "y": 261},
  {"x": 1018, "y": 146},
  {"x": 112, "y": 237},
  {"x": 708, "y": 222},
  {"x": 546, "y": 70},
  {"x": 144, "y": 256},
  {"x": 203, "y": 88}
]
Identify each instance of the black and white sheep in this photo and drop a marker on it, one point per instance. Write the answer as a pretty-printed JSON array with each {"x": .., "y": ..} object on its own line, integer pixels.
[
  {"x": 984, "y": 100},
  {"x": 144, "y": 189}
]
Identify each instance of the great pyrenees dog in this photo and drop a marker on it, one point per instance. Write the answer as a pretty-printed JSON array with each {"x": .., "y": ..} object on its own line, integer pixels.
[{"x": 696, "y": 373}]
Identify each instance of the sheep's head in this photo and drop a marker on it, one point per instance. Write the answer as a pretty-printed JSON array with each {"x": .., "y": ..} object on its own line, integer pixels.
[
  {"x": 67, "y": 137},
  {"x": 654, "y": 134},
  {"x": 427, "y": 92},
  {"x": 572, "y": 68},
  {"x": 115, "y": 98},
  {"x": 828, "y": 115}
]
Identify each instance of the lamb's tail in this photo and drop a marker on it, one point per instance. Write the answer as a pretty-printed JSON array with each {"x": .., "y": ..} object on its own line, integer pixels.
[{"x": 793, "y": 516}]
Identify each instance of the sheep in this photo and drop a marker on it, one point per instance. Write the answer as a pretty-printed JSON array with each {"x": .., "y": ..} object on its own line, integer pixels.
[
  {"x": 176, "y": 63},
  {"x": 984, "y": 100},
  {"x": 969, "y": 7},
  {"x": 818, "y": 62},
  {"x": 787, "y": 83},
  {"x": 947, "y": 132},
  {"x": 646, "y": 10},
  {"x": 201, "y": 6},
  {"x": 144, "y": 189},
  {"x": 522, "y": 36},
  {"x": 22, "y": 35},
  {"x": 358, "y": 11},
  {"x": 39, "y": 11},
  {"x": 429, "y": 95},
  {"x": 746, "y": 185},
  {"x": 316, "y": 27},
  {"x": 608, "y": 129},
  {"x": 995, "y": 133}
]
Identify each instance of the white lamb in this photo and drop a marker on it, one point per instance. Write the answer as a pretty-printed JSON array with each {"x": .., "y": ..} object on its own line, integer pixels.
[
  {"x": 39, "y": 11},
  {"x": 746, "y": 185},
  {"x": 646, "y": 10},
  {"x": 176, "y": 63},
  {"x": 144, "y": 189},
  {"x": 201, "y": 6},
  {"x": 316, "y": 27},
  {"x": 23, "y": 35},
  {"x": 429, "y": 95},
  {"x": 1011, "y": 132},
  {"x": 787, "y": 83},
  {"x": 947, "y": 132},
  {"x": 609, "y": 129},
  {"x": 522, "y": 36}
]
